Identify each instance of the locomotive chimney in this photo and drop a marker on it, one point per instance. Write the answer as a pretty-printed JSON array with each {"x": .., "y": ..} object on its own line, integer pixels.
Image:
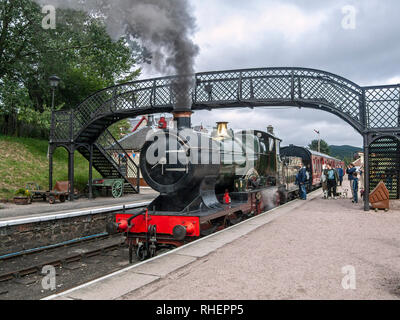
[
  {"x": 270, "y": 129},
  {"x": 182, "y": 110},
  {"x": 182, "y": 118}
]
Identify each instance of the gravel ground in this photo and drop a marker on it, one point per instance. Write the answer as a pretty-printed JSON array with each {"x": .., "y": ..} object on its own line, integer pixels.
[{"x": 299, "y": 255}]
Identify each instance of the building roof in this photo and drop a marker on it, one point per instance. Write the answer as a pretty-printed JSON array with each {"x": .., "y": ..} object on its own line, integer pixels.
[{"x": 135, "y": 140}]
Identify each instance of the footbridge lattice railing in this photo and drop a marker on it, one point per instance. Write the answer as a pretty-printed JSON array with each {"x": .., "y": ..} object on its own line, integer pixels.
[{"x": 373, "y": 111}]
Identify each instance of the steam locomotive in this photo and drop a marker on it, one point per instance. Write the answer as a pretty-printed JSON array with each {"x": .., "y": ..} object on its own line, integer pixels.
[{"x": 207, "y": 182}]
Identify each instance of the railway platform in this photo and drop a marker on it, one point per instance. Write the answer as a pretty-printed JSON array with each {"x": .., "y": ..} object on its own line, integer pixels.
[
  {"x": 40, "y": 209},
  {"x": 301, "y": 250}
]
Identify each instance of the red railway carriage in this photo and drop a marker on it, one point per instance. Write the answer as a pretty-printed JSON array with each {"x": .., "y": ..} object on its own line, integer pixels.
[{"x": 314, "y": 161}]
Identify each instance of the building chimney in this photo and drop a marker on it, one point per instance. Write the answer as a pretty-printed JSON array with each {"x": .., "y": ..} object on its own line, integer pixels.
[{"x": 270, "y": 129}]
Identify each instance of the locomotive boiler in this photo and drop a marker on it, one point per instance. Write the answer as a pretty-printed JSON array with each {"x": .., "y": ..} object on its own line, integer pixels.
[{"x": 206, "y": 181}]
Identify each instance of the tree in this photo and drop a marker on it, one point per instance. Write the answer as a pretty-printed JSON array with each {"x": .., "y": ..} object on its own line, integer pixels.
[
  {"x": 79, "y": 51},
  {"x": 323, "y": 145},
  {"x": 347, "y": 160},
  {"x": 120, "y": 129}
]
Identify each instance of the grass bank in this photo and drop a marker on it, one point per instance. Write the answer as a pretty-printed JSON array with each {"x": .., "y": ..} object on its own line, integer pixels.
[{"x": 25, "y": 160}]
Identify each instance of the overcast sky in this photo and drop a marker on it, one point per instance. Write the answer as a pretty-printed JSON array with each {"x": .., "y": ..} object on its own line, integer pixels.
[{"x": 236, "y": 34}]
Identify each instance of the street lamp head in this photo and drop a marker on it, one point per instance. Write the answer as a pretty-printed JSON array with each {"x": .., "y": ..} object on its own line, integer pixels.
[{"x": 54, "y": 81}]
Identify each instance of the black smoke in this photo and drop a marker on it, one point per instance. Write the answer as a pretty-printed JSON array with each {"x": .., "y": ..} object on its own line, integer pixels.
[{"x": 163, "y": 27}]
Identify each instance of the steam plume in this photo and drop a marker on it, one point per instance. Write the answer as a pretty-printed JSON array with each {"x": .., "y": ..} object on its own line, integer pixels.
[{"x": 163, "y": 27}]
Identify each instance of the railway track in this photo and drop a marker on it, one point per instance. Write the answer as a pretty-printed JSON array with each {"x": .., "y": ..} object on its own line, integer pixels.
[
  {"x": 76, "y": 262},
  {"x": 57, "y": 255},
  {"x": 21, "y": 277}
]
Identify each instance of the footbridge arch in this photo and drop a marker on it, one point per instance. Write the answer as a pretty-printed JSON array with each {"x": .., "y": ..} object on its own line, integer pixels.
[{"x": 371, "y": 111}]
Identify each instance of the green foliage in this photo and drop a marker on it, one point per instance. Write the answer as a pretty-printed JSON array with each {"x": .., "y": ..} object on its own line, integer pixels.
[
  {"x": 25, "y": 160},
  {"x": 13, "y": 96},
  {"x": 347, "y": 160},
  {"x": 79, "y": 51},
  {"x": 343, "y": 152},
  {"x": 120, "y": 129},
  {"x": 324, "y": 147},
  {"x": 22, "y": 193}
]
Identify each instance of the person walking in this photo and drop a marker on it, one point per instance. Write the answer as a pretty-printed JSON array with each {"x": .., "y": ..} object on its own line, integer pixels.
[
  {"x": 350, "y": 172},
  {"x": 341, "y": 174},
  {"x": 355, "y": 187},
  {"x": 361, "y": 182},
  {"x": 333, "y": 179},
  {"x": 302, "y": 180},
  {"x": 309, "y": 178},
  {"x": 324, "y": 182}
]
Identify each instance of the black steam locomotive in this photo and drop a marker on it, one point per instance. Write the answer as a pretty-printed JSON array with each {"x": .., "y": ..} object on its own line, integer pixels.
[{"x": 206, "y": 183}]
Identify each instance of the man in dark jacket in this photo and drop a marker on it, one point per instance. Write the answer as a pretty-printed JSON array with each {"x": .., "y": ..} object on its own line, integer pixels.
[
  {"x": 341, "y": 174},
  {"x": 302, "y": 179},
  {"x": 350, "y": 171},
  {"x": 333, "y": 178}
]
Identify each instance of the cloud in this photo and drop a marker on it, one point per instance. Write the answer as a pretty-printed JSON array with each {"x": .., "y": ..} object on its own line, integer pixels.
[
  {"x": 235, "y": 34},
  {"x": 288, "y": 21},
  {"x": 292, "y": 125}
]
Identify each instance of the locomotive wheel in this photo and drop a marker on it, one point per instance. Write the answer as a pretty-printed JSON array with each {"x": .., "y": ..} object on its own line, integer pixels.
[
  {"x": 141, "y": 252},
  {"x": 117, "y": 189},
  {"x": 152, "y": 251},
  {"x": 52, "y": 200},
  {"x": 62, "y": 198},
  {"x": 277, "y": 199},
  {"x": 283, "y": 197}
]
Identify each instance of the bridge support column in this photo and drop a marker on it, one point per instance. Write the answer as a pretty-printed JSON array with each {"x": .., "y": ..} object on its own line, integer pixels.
[
  {"x": 366, "y": 173},
  {"x": 71, "y": 174},
  {"x": 91, "y": 171},
  {"x": 50, "y": 167}
]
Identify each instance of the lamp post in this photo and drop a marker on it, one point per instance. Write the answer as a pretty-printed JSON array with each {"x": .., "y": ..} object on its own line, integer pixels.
[{"x": 54, "y": 81}]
